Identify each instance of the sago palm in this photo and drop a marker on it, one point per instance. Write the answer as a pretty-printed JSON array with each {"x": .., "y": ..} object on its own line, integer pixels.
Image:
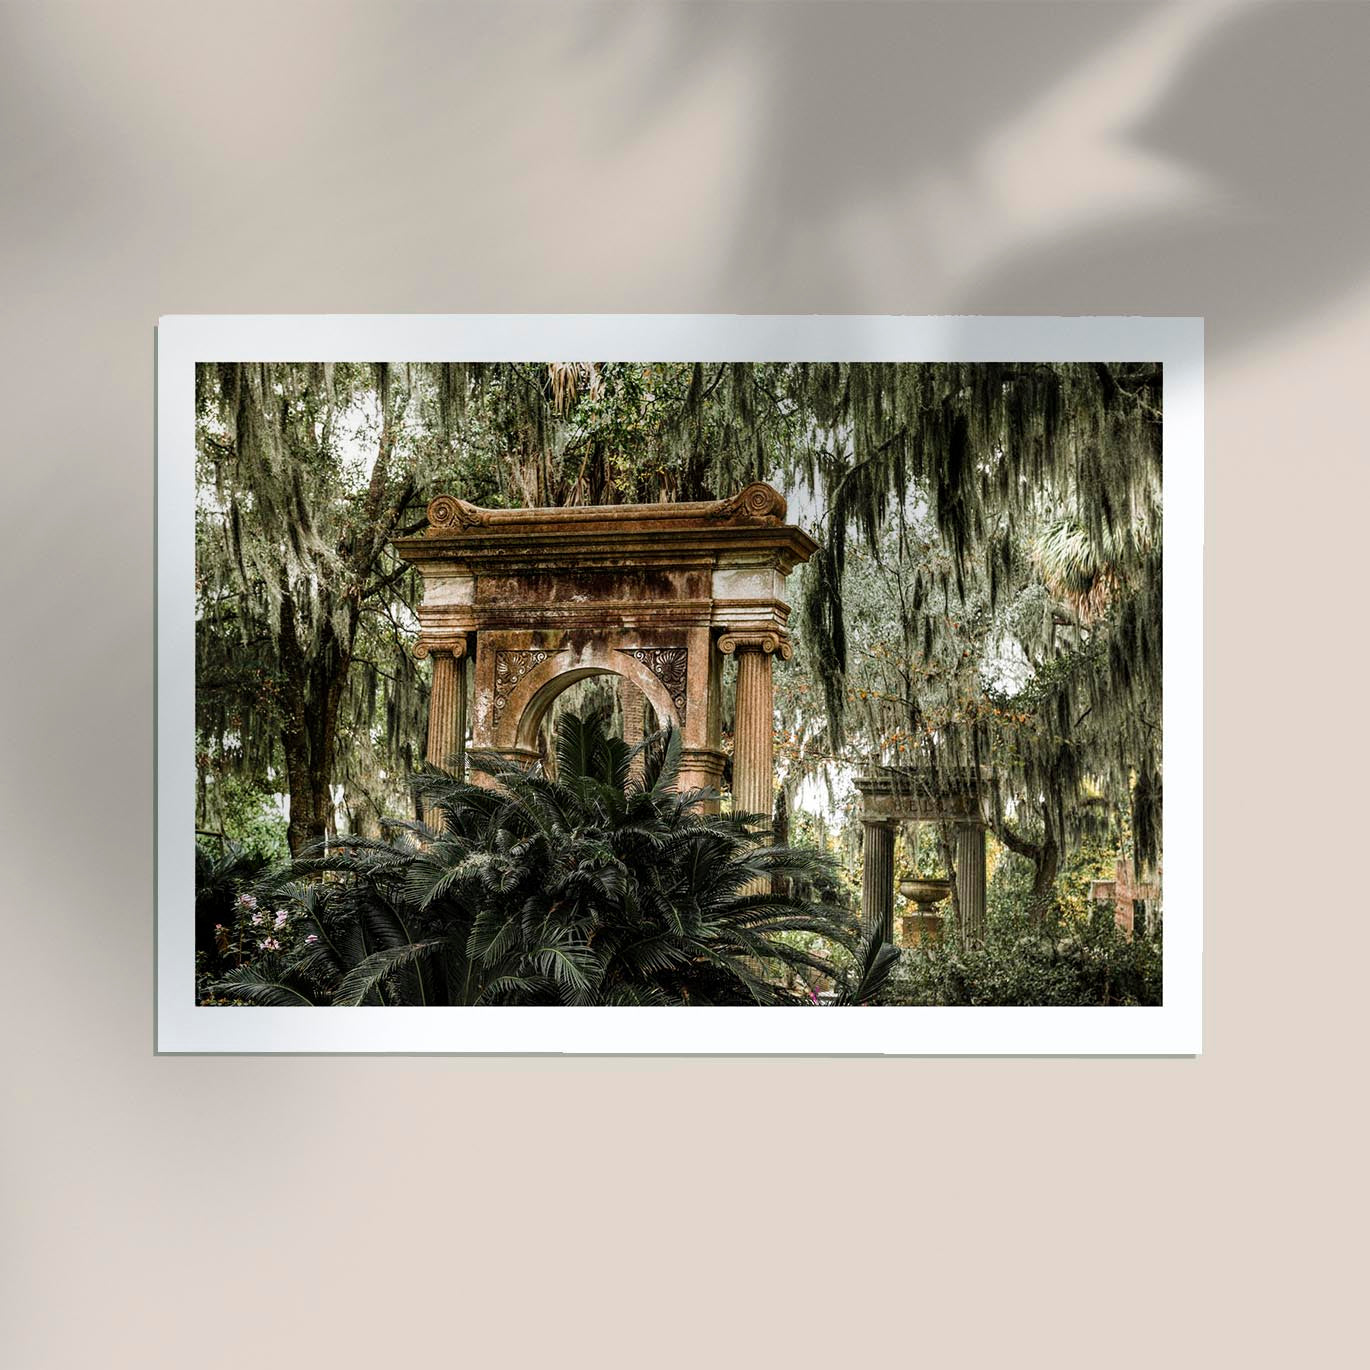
[{"x": 594, "y": 886}]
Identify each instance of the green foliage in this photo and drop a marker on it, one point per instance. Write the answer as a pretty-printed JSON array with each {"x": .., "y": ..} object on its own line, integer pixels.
[
  {"x": 998, "y": 517},
  {"x": 596, "y": 887},
  {"x": 235, "y": 805},
  {"x": 1009, "y": 892},
  {"x": 227, "y": 878},
  {"x": 986, "y": 593},
  {"x": 1080, "y": 961}
]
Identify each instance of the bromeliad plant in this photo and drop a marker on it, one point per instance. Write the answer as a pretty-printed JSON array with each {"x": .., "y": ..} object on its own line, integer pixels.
[{"x": 592, "y": 886}]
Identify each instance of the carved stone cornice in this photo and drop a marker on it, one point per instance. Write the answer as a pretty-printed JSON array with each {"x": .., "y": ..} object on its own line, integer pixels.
[
  {"x": 768, "y": 640},
  {"x": 448, "y": 514},
  {"x": 758, "y": 502},
  {"x": 749, "y": 526},
  {"x": 898, "y": 793}
]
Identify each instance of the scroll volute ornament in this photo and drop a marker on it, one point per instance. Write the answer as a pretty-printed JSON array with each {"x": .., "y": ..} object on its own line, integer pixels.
[
  {"x": 448, "y": 514},
  {"x": 764, "y": 640},
  {"x": 431, "y": 645},
  {"x": 757, "y": 501}
]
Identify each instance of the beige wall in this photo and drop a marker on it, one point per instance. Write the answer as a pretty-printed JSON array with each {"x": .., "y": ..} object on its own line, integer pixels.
[{"x": 215, "y": 1212}]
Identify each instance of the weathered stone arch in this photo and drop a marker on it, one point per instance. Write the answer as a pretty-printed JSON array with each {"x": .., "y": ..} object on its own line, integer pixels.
[
  {"x": 656, "y": 594},
  {"x": 528, "y": 702}
]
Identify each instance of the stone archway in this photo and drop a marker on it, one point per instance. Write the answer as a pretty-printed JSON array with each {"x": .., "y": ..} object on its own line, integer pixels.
[{"x": 657, "y": 594}]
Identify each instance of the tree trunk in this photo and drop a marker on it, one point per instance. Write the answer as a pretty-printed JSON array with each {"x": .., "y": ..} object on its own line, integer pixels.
[
  {"x": 947, "y": 852},
  {"x": 309, "y": 734},
  {"x": 1046, "y": 862},
  {"x": 780, "y": 836}
]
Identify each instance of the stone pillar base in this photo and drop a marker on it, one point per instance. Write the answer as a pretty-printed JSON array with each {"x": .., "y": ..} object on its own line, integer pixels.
[
  {"x": 920, "y": 929},
  {"x": 701, "y": 768},
  {"x": 524, "y": 757}
]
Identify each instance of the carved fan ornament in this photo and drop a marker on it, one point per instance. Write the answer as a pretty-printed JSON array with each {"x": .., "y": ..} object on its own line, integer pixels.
[
  {"x": 511, "y": 665},
  {"x": 671, "y": 667}
]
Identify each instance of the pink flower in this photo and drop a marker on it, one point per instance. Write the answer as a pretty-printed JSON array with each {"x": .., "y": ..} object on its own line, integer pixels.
[
  {"x": 311, "y": 938},
  {"x": 281, "y": 916},
  {"x": 218, "y": 927},
  {"x": 258, "y": 919},
  {"x": 247, "y": 901},
  {"x": 271, "y": 944}
]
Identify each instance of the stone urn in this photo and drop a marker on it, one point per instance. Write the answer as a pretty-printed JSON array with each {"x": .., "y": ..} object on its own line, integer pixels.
[{"x": 922, "y": 925}]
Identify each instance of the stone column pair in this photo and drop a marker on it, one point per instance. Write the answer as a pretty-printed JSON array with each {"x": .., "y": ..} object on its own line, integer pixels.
[{"x": 877, "y": 877}]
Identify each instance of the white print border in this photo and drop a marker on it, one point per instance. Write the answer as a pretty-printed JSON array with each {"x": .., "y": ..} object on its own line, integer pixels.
[{"x": 1174, "y": 1028}]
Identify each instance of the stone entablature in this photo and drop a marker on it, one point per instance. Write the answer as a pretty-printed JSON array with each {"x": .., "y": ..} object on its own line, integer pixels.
[
  {"x": 653, "y": 593},
  {"x": 898, "y": 794}
]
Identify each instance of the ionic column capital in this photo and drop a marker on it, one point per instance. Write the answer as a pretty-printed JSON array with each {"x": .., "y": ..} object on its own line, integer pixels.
[
  {"x": 767, "y": 640},
  {"x": 434, "y": 644}
]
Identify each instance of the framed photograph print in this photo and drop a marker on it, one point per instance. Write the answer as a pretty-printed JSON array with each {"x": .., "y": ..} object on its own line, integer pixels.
[{"x": 679, "y": 684}]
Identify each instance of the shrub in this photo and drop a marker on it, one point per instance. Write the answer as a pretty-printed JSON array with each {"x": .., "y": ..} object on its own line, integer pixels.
[
  {"x": 1084, "y": 961},
  {"x": 593, "y": 887}
]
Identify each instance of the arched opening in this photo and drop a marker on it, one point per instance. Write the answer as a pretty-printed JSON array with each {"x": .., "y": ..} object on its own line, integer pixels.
[
  {"x": 626, "y": 712},
  {"x": 533, "y": 698},
  {"x": 629, "y": 699}
]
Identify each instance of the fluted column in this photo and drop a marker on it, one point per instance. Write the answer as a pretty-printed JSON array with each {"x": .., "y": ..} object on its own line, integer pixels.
[
  {"x": 877, "y": 877},
  {"x": 754, "y": 734},
  {"x": 970, "y": 879},
  {"x": 447, "y": 712},
  {"x": 754, "y": 718},
  {"x": 446, "y": 745}
]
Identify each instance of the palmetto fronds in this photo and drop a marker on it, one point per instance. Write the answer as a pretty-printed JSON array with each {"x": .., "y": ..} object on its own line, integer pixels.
[
  {"x": 1076, "y": 569},
  {"x": 599, "y": 886}
]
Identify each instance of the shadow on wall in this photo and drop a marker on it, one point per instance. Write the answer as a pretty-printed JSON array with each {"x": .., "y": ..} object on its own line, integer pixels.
[
  {"x": 987, "y": 157},
  {"x": 1177, "y": 144}
]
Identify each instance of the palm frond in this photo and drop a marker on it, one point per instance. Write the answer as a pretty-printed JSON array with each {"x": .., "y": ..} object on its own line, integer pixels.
[
  {"x": 266, "y": 983},
  {"x": 367, "y": 977}
]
